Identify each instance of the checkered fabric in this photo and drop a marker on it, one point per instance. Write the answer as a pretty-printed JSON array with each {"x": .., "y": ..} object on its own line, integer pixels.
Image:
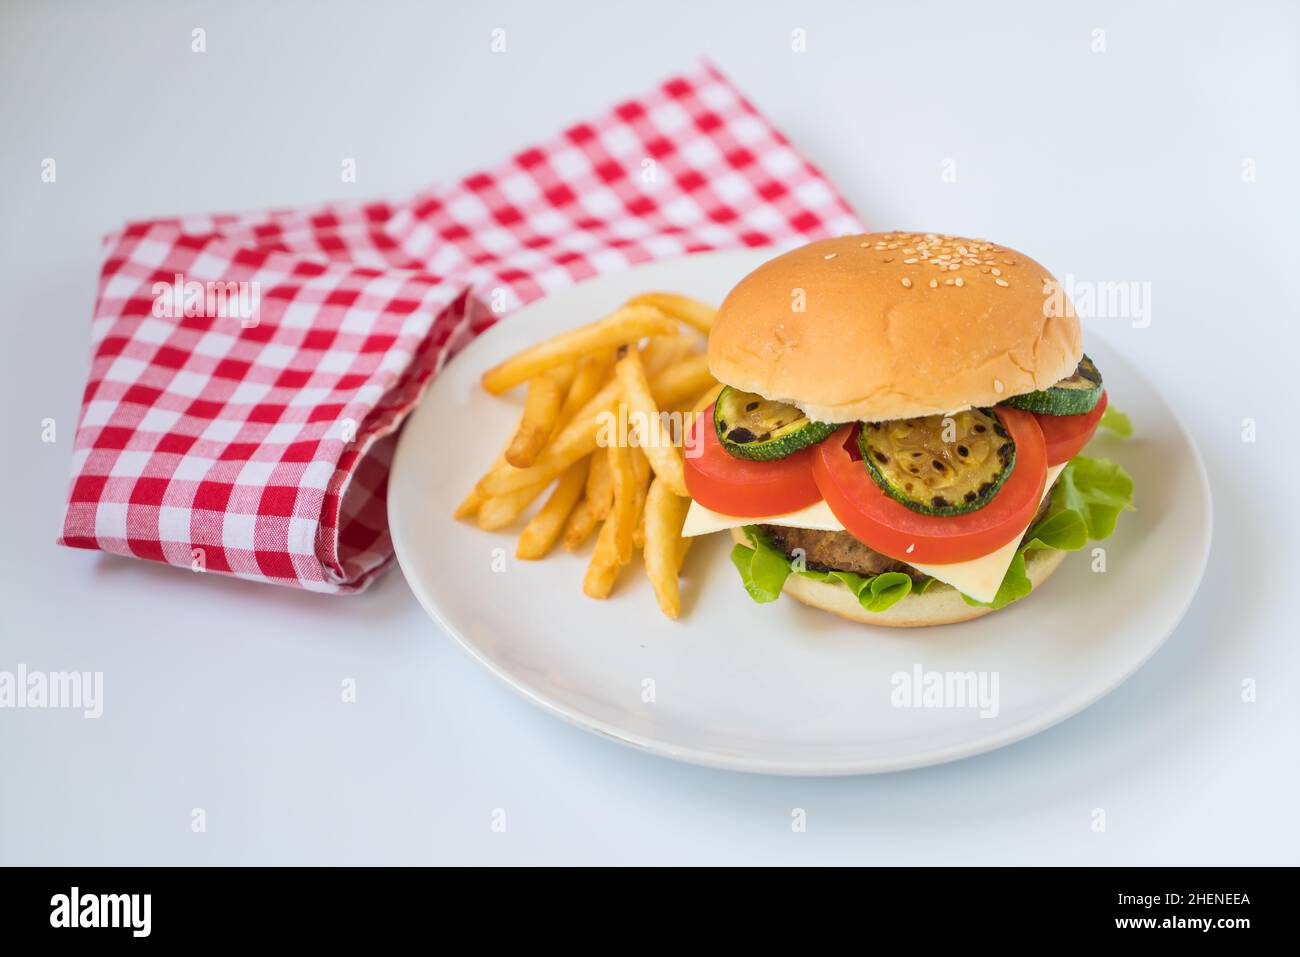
[{"x": 250, "y": 371}]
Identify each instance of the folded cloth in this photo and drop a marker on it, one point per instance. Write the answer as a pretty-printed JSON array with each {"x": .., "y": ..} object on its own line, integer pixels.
[{"x": 250, "y": 371}]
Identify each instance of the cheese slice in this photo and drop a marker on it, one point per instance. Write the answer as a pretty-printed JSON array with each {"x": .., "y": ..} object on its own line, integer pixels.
[
  {"x": 702, "y": 521},
  {"x": 979, "y": 578}
]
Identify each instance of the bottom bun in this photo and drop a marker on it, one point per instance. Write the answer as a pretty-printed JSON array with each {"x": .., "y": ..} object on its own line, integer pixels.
[{"x": 941, "y": 605}]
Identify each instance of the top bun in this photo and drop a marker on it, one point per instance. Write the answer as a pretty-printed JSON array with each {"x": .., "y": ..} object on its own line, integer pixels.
[{"x": 894, "y": 325}]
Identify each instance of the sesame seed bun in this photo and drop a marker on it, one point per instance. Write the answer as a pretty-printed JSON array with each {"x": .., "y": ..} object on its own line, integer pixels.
[
  {"x": 879, "y": 326},
  {"x": 941, "y": 605}
]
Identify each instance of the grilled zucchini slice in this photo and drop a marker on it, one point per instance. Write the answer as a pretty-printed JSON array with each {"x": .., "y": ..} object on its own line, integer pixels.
[
  {"x": 1073, "y": 396},
  {"x": 752, "y": 427},
  {"x": 914, "y": 465}
]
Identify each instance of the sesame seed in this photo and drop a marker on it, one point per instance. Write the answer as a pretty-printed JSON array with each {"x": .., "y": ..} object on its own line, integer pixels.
[
  {"x": 960, "y": 281},
  {"x": 997, "y": 272},
  {"x": 909, "y": 261},
  {"x": 864, "y": 245},
  {"x": 998, "y": 386},
  {"x": 1002, "y": 282},
  {"x": 934, "y": 284},
  {"x": 906, "y": 282},
  {"x": 829, "y": 256},
  {"x": 910, "y": 547}
]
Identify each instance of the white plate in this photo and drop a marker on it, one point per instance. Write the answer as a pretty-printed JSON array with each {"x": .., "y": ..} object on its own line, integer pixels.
[{"x": 778, "y": 688}]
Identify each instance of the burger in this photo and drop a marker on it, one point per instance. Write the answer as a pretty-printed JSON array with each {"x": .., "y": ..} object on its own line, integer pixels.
[{"x": 898, "y": 436}]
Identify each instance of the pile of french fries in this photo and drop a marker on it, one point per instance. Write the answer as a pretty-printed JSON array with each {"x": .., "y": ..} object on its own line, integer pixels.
[{"x": 644, "y": 359}]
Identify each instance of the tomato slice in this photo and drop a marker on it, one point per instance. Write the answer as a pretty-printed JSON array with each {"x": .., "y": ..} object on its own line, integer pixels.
[
  {"x": 895, "y": 530},
  {"x": 1066, "y": 435},
  {"x": 739, "y": 487}
]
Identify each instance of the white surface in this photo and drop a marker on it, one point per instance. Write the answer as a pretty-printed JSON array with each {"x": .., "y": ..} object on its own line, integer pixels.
[
  {"x": 779, "y": 688},
  {"x": 223, "y": 695}
]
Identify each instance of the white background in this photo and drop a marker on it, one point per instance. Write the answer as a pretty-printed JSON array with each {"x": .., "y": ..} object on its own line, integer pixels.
[{"x": 1116, "y": 165}]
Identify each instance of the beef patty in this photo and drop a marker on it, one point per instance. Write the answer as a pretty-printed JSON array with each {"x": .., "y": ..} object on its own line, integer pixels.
[{"x": 840, "y": 551}]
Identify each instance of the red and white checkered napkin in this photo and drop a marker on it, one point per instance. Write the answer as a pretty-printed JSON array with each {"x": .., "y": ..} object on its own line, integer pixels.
[{"x": 255, "y": 440}]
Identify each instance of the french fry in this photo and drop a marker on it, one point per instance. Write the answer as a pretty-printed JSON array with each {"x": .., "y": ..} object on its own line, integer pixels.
[
  {"x": 577, "y": 438},
  {"x": 644, "y": 475},
  {"x": 684, "y": 380},
  {"x": 600, "y": 485},
  {"x": 582, "y": 522},
  {"x": 544, "y": 528},
  {"x": 643, "y": 415},
  {"x": 641, "y": 469},
  {"x": 663, "y": 352},
  {"x": 627, "y": 324},
  {"x": 690, "y": 311},
  {"x": 623, "y": 512},
  {"x": 471, "y": 503},
  {"x": 584, "y": 388},
  {"x": 707, "y": 399},
  {"x": 542, "y": 406},
  {"x": 498, "y": 511},
  {"x": 590, "y": 374},
  {"x": 581, "y": 435},
  {"x": 664, "y": 514},
  {"x": 593, "y": 371},
  {"x": 604, "y": 566},
  {"x": 693, "y": 410}
]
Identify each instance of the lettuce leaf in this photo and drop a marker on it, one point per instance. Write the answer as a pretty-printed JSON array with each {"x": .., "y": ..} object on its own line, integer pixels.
[
  {"x": 1098, "y": 490},
  {"x": 1064, "y": 530},
  {"x": 876, "y": 593},
  {"x": 764, "y": 568},
  {"x": 1086, "y": 503},
  {"x": 1117, "y": 422}
]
